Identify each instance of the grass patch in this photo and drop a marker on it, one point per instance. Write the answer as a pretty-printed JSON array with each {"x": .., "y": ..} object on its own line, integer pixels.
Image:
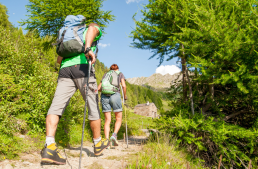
[
  {"x": 95, "y": 165},
  {"x": 120, "y": 158},
  {"x": 166, "y": 105},
  {"x": 163, "y": 155},
  {"x": 135, "y": 123},
  {"x": 29, "y": 144}
]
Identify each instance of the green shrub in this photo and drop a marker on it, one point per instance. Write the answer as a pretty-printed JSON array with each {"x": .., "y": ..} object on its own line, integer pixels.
[{"x": 209, "y": 138}]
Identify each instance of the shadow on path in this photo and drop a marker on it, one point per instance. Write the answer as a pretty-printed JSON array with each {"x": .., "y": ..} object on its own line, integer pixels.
[{"x": 88, "y": 152}]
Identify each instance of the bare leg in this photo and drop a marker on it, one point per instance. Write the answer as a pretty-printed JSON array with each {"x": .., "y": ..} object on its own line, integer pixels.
[
  {"x": 51, "y": 124},
  {"x": 118, "y": 121},
  {"x": 95, "y": 126},
  {"x": 107, "y": 124}
]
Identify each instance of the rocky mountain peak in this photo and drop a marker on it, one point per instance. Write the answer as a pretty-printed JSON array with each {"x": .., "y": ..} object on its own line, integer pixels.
[{"x": 157, "y": 81}]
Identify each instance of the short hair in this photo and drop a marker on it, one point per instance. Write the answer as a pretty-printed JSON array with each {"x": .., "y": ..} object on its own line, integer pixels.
[
  {"x": 94, "y": 24},
  {"x": 114, "y": 67}
]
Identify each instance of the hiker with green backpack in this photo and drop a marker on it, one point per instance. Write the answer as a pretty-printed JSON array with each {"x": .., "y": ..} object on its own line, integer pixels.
[
  {"x": 75, "y": 46},
  {"x": 111, "y": 98}
]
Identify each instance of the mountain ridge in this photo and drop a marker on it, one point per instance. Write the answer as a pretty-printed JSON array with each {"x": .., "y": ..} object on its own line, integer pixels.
[{"x": 157, "y": 80}]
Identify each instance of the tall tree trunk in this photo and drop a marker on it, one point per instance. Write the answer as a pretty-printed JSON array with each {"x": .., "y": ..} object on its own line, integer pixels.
[
  {"x": 197, "y": 84},
  {"x": 190, "y": 91},
  {"x": 184, "y": 79},
  {"x": 205, "y": 106},
  {"x": 189, "y": 83},
  {"x": 211, "y": 88}
]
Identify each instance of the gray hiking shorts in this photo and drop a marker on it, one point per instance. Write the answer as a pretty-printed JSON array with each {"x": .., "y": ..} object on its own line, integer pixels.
[{"x": 65, "y": 89}]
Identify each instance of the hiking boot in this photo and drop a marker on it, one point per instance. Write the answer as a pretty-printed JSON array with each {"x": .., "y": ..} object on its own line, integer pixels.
[
  {"x": 50, "y": 154},
  {"x": 114, "y": 141},
  {"x": 102, "y": 145}
]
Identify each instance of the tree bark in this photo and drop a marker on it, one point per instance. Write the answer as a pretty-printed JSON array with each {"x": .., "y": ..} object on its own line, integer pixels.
[
  {"x": 190, "y": 92},
  {"x": 211, "y": 88},
  {"x": 184, "y": 79},
  {"x": 189, "y": 83},
  {"x": 233, "y": 115}
]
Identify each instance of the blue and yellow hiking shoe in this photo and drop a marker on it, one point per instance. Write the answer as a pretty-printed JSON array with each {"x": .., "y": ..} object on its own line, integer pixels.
[
  {"x": 114, "y": 141},
  {"x": 102, "y": 145},
  {"x": 50, "y": 154}
]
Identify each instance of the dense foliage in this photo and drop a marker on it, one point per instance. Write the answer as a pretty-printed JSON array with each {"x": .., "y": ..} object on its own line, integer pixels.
[
  {"x": 207, "y": 137},
  {"x": 218, "y": 40}
]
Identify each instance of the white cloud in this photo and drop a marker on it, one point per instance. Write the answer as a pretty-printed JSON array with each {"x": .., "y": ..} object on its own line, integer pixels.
[
  {"x": 13, "y": 13},
  {"x": 171, "y": 69},
  {"x": 129, "y": 1},
  {"x": 103, "y": 45}
]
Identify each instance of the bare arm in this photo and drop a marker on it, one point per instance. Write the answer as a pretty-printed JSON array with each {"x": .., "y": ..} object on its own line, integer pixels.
[
  {"x": 90, "y": 36},
  {"x": 124, "y": 88},
  {"x": 99, "y": 87},
  {"x": 59, "y": 59}
]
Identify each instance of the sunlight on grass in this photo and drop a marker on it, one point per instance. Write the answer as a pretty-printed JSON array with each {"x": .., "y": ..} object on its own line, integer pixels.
[{"x": 163, "y": 155}]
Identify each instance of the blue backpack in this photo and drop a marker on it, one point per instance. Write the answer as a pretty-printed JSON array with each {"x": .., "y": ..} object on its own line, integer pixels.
[{"x": 70, "y": 38}]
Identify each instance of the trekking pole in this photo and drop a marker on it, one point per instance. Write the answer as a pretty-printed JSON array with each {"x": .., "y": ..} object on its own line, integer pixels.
[
  {"x": 85, "y": 107},
  {"x": 126, "y": 128},
  {"x": 125, "y": 117}
]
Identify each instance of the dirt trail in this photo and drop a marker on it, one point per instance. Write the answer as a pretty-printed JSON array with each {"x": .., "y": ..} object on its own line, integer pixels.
[{"x": 110, "y": 159}]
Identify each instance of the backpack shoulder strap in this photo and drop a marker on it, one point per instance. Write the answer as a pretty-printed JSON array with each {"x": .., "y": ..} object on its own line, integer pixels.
[
  {"x": 76, "y": 36},
  {"x": 61, "y": 39},
  {"x": 94, "y": 43},
  {"x": 96, "y": 54}
]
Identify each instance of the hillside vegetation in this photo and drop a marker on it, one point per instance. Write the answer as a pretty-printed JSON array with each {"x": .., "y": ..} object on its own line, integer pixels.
[
  {"x": 215, "y": 110},
  {"x": 28, "y": 77}
]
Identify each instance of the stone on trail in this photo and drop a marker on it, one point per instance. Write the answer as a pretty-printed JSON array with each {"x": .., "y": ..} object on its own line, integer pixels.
[
  {"x": 22, "y": 136},
  {"x": 8, "y": 166}
]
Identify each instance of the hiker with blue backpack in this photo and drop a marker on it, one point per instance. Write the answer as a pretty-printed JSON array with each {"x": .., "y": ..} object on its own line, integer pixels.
[
  {"x": 75, "y": 46},
  {"x": 111, "y": 99}
]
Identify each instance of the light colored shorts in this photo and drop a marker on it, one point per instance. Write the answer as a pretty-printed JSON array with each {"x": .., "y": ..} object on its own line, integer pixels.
[
  {"x": 113, "y": 101},
  {"x": 65, "y": 89}
]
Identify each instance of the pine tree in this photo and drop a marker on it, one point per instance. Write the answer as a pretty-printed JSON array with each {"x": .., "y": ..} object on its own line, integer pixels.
[
  {"x": 4, "y": 17},
  {"x": 219, "y": 38},
  {"x": 47, "y": 16},
  {"x": 141, "y": 99},
  {"x": 148, "y": 99}
]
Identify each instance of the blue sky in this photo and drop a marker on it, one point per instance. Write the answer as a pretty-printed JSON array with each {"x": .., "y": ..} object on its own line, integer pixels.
[{"x": 114, "y": 46}]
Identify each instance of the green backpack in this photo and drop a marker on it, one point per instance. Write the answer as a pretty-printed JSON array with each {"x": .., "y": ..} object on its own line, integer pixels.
[{"x": 110, "y": 83}]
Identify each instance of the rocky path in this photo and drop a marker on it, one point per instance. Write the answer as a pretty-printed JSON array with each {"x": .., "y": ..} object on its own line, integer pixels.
[{"x": 110, "y": 159}]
